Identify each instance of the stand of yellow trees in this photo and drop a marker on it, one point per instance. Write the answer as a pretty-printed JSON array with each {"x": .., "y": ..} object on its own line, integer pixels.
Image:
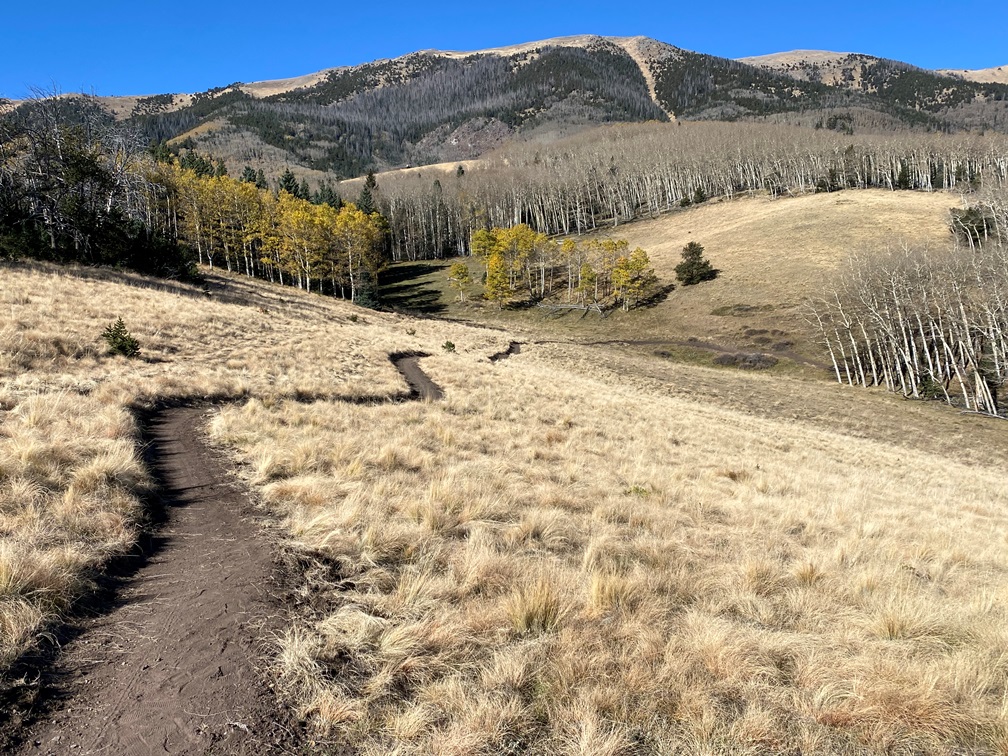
[
  {"x": 588, "y": 271},
  {"x": 235, "y": 225}
]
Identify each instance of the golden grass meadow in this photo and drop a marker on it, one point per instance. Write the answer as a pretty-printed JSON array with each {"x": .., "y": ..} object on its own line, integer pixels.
[{"x": 579, "y": 550}]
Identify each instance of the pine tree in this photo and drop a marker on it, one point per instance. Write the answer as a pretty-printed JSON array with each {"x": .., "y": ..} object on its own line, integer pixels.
[
  {"x": 326, "y": 194},
  {"x": 120, "y": 341},
  {"x": 288, "y": 183},
  {"x": 365, "y": 201},
  {"x": 694, "y": 268},
  {"x": 248, "y": 175}
]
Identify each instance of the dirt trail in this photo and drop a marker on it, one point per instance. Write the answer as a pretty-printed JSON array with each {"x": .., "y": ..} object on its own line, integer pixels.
[
  {"x": 421, "y": 386},
  {"x": 174, "y": 660},
  {"x": 513, "y": 348},
  {"x": 175, "y": 665}
]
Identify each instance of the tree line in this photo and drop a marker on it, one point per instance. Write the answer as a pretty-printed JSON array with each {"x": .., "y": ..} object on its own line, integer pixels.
[
  {"x": 927, "y": 323},
  {"x": 278, "y": 235},
  {"x": 618, "y": 173},
  {"x": 77, "y": 186},
  {"x": 74, "y": 186}
]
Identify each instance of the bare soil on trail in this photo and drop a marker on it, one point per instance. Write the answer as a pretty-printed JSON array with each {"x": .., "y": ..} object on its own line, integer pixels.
[
  {"x": 421, "y": 386},
  {"x": 175, "y": 661},
  {"x": 170, "y": 655},
  {"x": 513, "y": 348}
]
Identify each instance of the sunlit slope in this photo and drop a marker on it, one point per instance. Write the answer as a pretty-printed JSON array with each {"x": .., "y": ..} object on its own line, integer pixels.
[{"x": 773, "y": 254}]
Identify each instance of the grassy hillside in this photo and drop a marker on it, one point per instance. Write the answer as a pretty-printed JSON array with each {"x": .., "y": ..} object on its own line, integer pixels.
[
  {"x": 772, "y": 254},
  {"x": 581, "y": 549}
]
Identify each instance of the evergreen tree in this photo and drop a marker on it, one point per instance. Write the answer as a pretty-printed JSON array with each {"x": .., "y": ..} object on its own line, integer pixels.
[
  {"x": 303, "y": 191},
  {"x": 366, "y": 200},
  {"x": 260, "y": 180},
  {"x": 248, "y": 175},
  {"x": 161, "y": 152},
  {"x": 694, "y": 267},
  {"x": 288, "y": 183},
  {"x": 326, "y": 194}
]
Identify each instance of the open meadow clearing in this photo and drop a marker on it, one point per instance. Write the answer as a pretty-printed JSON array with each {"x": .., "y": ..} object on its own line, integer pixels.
[
  {"x": 578, "y": 549},
  {"x": 551, "y": 562}
]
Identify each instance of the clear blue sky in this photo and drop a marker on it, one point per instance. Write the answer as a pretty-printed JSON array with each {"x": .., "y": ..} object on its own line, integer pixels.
[{"x": 140, "y": 47}]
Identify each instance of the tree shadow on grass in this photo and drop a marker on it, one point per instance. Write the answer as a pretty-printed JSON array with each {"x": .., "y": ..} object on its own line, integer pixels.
[
  {"x": 660, "y": 295},
  {"x": 403, "y": 289}
]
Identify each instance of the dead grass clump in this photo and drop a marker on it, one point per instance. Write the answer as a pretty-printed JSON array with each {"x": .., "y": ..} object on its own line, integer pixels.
[
  {"x": 535, "y": 607},
  {"x": 608, "y": 592}
]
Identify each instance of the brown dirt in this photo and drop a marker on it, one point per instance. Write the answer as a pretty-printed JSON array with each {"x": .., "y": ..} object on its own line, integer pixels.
[
  {"x": 421, "y": 386},
  {"x": 175, "y": 663},
  {"x": 513, "y": 348}
]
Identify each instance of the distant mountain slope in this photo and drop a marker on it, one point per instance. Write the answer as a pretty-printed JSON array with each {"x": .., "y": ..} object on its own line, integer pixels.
[
  {"x": 435, "y": 106},
  {"x": 423, "y": 107},
  {"x": 998, "y": 75},
  {"x": 958, "y": 99}
]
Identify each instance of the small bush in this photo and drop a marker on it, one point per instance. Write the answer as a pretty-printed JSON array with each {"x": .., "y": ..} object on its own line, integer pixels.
[
  {"x": 448, "y": 346},
  {"x": 120, "y": 340}
]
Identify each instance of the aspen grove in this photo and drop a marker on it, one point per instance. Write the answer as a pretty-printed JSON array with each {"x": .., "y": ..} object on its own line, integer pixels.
[
  {"x": 611, "y": 175},
  {"x": 926, "y": 323}
]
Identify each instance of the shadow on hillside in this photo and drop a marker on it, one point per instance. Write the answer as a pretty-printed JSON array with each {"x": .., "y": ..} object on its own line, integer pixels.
[
  {"x": 403, "y": 289},
  {"x": 659, "y": 296}
]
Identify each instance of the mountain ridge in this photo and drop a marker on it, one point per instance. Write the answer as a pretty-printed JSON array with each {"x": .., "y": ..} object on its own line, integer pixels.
[{"x": 433, "y": 106}]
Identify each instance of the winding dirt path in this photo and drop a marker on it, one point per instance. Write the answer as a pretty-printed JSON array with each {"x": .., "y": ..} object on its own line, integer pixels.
[
  {"x": 175, "y": 666},
  {"x": 513, "y": 348},
  {"x": 174, "y": 661},
  {"x": 421, "y": 386}
]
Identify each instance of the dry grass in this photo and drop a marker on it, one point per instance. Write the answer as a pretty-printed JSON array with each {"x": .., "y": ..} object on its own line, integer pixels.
[
  {"x": 772, "y": 255},
  {"x": 71, "y": 479},
  {"x": 549, "y": 563},
  {"x": 580, "y": 550}
]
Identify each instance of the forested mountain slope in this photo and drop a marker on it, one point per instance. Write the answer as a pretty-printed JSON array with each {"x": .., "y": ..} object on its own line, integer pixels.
[
  {"x": 952, "y": 99},
  {"x": 433, "y": 106}
]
